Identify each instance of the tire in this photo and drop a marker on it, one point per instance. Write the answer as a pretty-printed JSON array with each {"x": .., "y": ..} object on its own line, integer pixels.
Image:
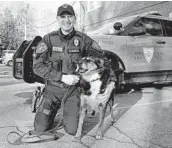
[
  {"x": 10, "y": 63},
  {"x": 119, "y": 72},
  {"x": 118, "y": 68},
  {"x": 120, "y": 80}
]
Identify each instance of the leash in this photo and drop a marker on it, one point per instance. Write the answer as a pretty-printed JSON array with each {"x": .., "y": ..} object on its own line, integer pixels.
[{"x": 34, "y": 136}]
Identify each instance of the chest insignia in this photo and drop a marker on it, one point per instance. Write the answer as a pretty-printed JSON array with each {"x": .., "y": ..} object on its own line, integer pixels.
[
  {"x": 58, "y": 49},
  {"x": 76, "y": 42}
]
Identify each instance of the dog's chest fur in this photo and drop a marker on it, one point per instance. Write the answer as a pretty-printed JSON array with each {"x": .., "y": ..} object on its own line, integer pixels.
[{"x": 91, "y": 91}]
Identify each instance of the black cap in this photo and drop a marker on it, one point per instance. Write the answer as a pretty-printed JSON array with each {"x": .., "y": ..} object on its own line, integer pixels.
[{"x": 65, "y": 8}]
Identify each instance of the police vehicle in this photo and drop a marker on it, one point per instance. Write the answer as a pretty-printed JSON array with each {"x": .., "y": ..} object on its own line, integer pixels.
[
  {"x": 138, "y": 46},
  {"x": 141, "y": 45}
]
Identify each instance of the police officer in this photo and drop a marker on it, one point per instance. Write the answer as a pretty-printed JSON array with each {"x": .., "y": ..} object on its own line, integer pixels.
[{"x": 55, "y": 61}]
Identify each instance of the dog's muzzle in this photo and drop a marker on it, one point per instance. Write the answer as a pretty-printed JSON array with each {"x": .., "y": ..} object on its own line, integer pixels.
[
  {"x": 82, "y": 70},
  {"x": 79, "y": 69}
]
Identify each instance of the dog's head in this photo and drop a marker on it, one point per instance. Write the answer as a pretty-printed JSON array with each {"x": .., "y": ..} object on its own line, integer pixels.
[{"x": 88, "y": 65}]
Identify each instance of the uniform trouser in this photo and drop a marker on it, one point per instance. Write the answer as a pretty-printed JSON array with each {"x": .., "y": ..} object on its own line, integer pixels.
[{"x": 46, "y": 113}]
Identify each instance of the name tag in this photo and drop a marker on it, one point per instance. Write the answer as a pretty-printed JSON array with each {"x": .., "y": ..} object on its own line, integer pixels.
[
  {"x": 73, "y": 51},
  {"x": 58, "y": 49}
]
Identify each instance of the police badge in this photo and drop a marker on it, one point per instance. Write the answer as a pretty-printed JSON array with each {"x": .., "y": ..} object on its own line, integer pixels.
[{"x": 76, "y": 42}]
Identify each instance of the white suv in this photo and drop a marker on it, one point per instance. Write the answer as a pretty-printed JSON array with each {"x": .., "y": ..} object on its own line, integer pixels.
[{"x": 8, "y": 57}]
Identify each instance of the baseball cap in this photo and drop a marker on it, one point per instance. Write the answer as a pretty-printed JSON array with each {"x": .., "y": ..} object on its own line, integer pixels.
[{"x": 65, "y": 8}]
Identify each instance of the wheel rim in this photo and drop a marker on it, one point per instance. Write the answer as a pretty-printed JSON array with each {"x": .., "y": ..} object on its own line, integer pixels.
[{"x": 10, "y": 63}]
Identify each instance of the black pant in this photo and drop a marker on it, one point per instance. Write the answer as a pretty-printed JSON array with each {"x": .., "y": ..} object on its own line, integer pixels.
[{"x": 45, "y": 115}]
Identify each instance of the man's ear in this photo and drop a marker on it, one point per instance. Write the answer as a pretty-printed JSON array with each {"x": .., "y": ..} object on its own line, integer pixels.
[{"x": 75, "y": 18}]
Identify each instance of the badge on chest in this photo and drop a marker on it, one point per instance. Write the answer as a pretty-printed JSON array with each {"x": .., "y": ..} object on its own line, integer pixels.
[
  {"x": 57, "y": 49},
  {"x": 74, "y": 50}
]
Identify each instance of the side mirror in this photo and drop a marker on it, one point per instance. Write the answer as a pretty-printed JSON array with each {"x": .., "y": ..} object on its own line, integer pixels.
[{"x": 117, "y": 26}]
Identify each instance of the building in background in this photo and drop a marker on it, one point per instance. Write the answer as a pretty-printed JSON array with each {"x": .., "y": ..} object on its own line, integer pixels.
[{"x": 98, "y": 13}]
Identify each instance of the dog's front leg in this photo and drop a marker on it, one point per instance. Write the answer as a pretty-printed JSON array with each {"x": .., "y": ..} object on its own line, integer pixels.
[
  {"x": 80, "y": 124},
  {"x": 102, "y": 110}
]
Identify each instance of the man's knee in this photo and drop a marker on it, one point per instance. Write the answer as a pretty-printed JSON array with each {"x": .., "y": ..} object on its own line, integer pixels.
[
  {"x": 71, "y": 115},
  {"x": 40, "y": 122},
  {"x": 44, "y": 118}
]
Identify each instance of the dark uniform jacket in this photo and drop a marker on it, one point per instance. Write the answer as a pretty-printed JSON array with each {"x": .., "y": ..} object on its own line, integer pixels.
[{"x": 58, "y": 54}]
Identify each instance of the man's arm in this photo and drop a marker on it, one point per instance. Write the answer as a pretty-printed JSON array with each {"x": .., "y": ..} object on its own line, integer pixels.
[{"x": 42, "y": 66}]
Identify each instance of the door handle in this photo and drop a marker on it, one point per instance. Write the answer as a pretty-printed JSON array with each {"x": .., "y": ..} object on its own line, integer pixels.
[{"x": 160, "y": 42}]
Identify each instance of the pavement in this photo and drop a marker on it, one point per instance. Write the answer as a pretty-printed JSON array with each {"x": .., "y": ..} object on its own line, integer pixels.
[{"x": 143, "y": 119}]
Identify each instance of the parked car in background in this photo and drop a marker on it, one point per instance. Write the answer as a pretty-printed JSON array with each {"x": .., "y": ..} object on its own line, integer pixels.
[
  {"x": 0, "y": 58},
  {"x": 7, "y": 58}
]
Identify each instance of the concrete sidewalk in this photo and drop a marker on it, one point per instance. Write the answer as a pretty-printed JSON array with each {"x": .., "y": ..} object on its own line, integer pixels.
[
  {"x": 17, "y": 100},
  {"x": 146, "y": 124},
  {"x": 24, "y": 122},
  {"x": 143, "y": 121}
]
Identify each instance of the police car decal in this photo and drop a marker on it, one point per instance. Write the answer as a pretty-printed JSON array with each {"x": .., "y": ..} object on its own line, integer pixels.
[
  {"x": 148, "y": 53},
  {"x": 57, "y": 49}
]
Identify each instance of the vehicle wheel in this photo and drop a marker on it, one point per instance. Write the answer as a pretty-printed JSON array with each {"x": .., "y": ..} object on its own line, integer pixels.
[
  {"x": 120, "y": 80},
  {"x": 10, "y": 63},
  {"x": 159, "y": 86},
  {"x": 119, "y": 74}
]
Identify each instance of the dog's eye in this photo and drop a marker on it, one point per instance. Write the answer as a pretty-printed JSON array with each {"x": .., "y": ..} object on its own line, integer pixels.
[{"x": 89, "y": 60}]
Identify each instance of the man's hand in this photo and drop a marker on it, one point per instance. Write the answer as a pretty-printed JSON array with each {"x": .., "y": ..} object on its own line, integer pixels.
[{"x": 70, "y": 79}]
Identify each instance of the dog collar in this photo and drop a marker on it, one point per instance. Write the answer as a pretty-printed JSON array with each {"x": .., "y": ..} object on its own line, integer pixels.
[{"x": 95, "y": 80}]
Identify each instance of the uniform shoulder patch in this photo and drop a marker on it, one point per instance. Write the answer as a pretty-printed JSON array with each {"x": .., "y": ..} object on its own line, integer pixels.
[
  {"x": 41, "y": 47},
  {"x": 54, "y": 33}
]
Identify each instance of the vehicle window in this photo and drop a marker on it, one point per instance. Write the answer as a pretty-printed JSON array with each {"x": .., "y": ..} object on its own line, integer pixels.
[
  {"x": 147, "y": 26},
  {"x": 168, "y": 27},
  {"x": 108, "y": 28}
]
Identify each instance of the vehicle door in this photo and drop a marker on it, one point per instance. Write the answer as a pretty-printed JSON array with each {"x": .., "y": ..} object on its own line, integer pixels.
[
  {"x": 167, "y": 46},
  {"x": 145, "y": 43}
]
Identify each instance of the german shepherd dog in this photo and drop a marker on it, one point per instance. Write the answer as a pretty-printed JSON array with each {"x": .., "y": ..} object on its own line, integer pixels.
[{"x": 97, "y": 91}]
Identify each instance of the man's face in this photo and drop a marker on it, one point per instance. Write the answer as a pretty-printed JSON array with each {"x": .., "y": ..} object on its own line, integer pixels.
[{"x": 66, "y": 22}]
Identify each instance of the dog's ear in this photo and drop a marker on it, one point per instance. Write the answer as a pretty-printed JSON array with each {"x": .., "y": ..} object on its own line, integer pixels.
[{"x": 100, "y": 63}]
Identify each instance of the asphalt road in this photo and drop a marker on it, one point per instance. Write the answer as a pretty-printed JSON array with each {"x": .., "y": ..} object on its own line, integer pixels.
[{"x": 143, "y": 118}]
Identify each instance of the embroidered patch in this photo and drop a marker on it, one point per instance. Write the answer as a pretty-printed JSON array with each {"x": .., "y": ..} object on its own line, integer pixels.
[
  {"x": 58, "y": 49},
  {"x": 41, "y": 47},
  {"x": 73, "y": 50},
  {"x": 76, "y": 42}
]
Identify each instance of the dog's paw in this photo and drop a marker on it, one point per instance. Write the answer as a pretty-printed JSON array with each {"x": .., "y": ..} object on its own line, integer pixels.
[
  {"x": 99, "y": 136},
  {"x": 77, "y": 139},
  {"x": 113, "y": 121}
]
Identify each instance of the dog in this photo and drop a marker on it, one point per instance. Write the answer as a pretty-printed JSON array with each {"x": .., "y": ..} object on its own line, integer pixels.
[{"x": 97, "y": 91}]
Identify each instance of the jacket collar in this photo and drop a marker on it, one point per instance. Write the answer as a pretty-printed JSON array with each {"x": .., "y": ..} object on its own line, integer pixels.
[{"x": 66, "y": 37}]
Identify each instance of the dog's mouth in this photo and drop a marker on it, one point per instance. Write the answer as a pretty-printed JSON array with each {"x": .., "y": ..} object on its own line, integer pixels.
[{"x": 82, "y": 70}]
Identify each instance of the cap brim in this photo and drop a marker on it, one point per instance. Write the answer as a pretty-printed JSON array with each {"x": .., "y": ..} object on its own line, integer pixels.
[{"x": 66, "y": 12}]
